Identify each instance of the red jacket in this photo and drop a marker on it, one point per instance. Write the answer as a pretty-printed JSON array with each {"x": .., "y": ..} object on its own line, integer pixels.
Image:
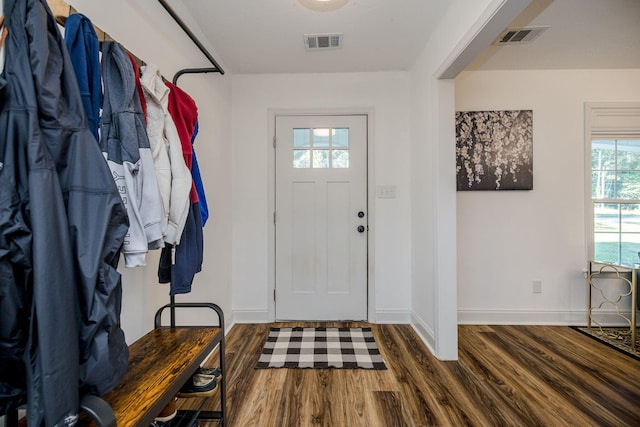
[{"x": 184, "y": 112}]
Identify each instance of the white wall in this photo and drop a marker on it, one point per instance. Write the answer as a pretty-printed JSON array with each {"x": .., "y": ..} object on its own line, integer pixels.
[
  {"x": 386, "y": 94},
  {"x": 433, "y": 209},
  {"x": 508, "y": 239},
  {"x": 144, "y": 28}
]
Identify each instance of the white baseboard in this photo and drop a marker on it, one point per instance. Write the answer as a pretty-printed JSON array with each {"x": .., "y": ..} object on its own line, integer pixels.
[
  {"x": 465, "y": 317},
  {"x": 424, "y": 332},
  {"x": 536, "y": 317},
  {"x": 381, "y": 316},
  {"x": 393, "y": 317},
  {"x": 609, "y": 318},
  {"x": 229, "y": 321},
  {"x": 251, "y": 316}
]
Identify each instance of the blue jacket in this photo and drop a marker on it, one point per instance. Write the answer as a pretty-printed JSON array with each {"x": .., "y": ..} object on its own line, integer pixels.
[
  {"x": 84, "y": 50},
  {"x": 197, "y": 180},
  {"x": 187, "y": 256}
]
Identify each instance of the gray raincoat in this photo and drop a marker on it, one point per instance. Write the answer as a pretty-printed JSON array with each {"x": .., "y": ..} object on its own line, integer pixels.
[{"x": 62, "y": 224}]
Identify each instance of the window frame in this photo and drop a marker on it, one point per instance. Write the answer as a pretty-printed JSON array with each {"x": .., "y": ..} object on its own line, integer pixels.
[
  {"x": 613, "y": 121},
  {"x": 329, "y": 149}
]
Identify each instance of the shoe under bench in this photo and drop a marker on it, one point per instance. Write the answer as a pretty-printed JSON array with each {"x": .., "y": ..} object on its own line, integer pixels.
[{"x": 160, "y": 363}]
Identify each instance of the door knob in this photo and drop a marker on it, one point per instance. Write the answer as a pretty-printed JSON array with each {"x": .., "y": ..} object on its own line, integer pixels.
[
  {"x": 360, "y": 214},
  {"x": 361, "y": 229}
]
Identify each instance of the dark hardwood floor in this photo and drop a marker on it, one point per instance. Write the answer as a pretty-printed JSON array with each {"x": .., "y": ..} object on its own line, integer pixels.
[{"x": 505, "y": 376}]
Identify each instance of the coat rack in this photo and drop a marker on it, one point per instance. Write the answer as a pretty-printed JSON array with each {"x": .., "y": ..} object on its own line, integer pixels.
[
  {"x": 61, "y": 10},
  {"x": 216, "y": 67},
  {"x": 93, "y": 405}
]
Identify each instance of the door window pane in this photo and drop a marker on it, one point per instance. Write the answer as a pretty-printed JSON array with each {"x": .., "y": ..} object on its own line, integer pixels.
[
  {"x": 321, "y": 159},
  {"x": 321, "y": 137},
  {"x": 340, "y": 159},
  {"x": 301, "y": 158},
  {"x": 321, "y": 148},
  {"x": 301, "y": 137},
  {"x": 340, "y": 137}
]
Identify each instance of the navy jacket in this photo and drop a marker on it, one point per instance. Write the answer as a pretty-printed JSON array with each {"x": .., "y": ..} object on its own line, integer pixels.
[
  {"x": 84, "y": 50},
  {"x": 187, "y": 256},
  {"x": 62, "y": 223}
]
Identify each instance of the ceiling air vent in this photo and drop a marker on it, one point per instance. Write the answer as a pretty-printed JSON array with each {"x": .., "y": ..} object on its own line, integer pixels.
[
  {"x": 519, "y": 35},
  {"x": 322, "y": 41}
]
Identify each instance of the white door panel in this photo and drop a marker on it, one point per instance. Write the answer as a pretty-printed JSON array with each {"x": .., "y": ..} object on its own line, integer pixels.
[{"x": 321, "y": 186}]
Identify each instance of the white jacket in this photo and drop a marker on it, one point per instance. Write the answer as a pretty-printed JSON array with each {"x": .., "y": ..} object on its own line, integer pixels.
[
  {"x": 125, "y": 145},
  {"x": 174, "y": 178}
]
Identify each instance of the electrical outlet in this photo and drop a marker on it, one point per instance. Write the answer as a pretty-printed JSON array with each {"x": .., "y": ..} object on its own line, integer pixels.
[{"x": 537, "y": 286}]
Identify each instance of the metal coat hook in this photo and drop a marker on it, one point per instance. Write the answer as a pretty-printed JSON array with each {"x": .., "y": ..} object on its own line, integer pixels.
[{"x": 217, "y": 68}]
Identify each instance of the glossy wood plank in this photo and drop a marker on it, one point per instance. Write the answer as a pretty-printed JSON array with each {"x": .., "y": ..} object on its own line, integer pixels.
[
  {"x": 512, "y": 388},
  {"x": 592, "y": 397},
  {"x": 505, "y": 376}
]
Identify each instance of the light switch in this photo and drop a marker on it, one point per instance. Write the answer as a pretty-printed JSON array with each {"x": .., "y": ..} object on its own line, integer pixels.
[{"x": 386, "y": 191}]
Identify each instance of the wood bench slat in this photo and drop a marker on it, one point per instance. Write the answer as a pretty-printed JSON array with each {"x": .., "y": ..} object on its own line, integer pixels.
[{"x": 159, "y": 364}]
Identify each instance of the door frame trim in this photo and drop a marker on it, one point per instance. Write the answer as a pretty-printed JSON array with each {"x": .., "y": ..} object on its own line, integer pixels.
[{"x": 272, "y": 113}]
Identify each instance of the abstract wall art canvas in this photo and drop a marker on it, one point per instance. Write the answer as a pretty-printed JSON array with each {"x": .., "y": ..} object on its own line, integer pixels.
[{"x": 494, "y": 150}]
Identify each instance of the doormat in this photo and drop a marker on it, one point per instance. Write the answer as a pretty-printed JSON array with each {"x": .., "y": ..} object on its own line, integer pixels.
[
  {"x": 321, "y": 348},
  {"x": 617, "y": 338}
]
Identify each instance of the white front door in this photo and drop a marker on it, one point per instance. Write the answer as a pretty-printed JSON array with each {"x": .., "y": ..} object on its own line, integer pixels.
[{"x": 321, "y": 217}]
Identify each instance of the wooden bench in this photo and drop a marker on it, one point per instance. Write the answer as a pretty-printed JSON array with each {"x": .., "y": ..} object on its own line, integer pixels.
[{"x": 160, "y": 363}]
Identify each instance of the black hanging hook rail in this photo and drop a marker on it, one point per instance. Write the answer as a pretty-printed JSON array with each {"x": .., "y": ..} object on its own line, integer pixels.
[
  {"x": 217, "y": 68},
  {"x": 194, "y": 71}
]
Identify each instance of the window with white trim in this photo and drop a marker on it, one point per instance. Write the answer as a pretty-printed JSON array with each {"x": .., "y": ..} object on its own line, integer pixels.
[
  {"x": 613, "y": 140},
  {"x": 321, "y": 148}
]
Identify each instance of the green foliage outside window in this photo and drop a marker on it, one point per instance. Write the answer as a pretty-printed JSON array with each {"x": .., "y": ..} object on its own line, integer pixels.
[{"x": 615, "y": 184}]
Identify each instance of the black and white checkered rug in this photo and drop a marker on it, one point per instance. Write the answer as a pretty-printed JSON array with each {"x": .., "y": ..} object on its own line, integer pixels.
[{"x": 320, "y": 348}]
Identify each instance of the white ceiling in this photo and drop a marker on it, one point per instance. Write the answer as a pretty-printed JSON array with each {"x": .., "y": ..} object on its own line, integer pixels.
[
  {"x": 582, "y": 34},
  {"x": 266, "y": 36}
]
